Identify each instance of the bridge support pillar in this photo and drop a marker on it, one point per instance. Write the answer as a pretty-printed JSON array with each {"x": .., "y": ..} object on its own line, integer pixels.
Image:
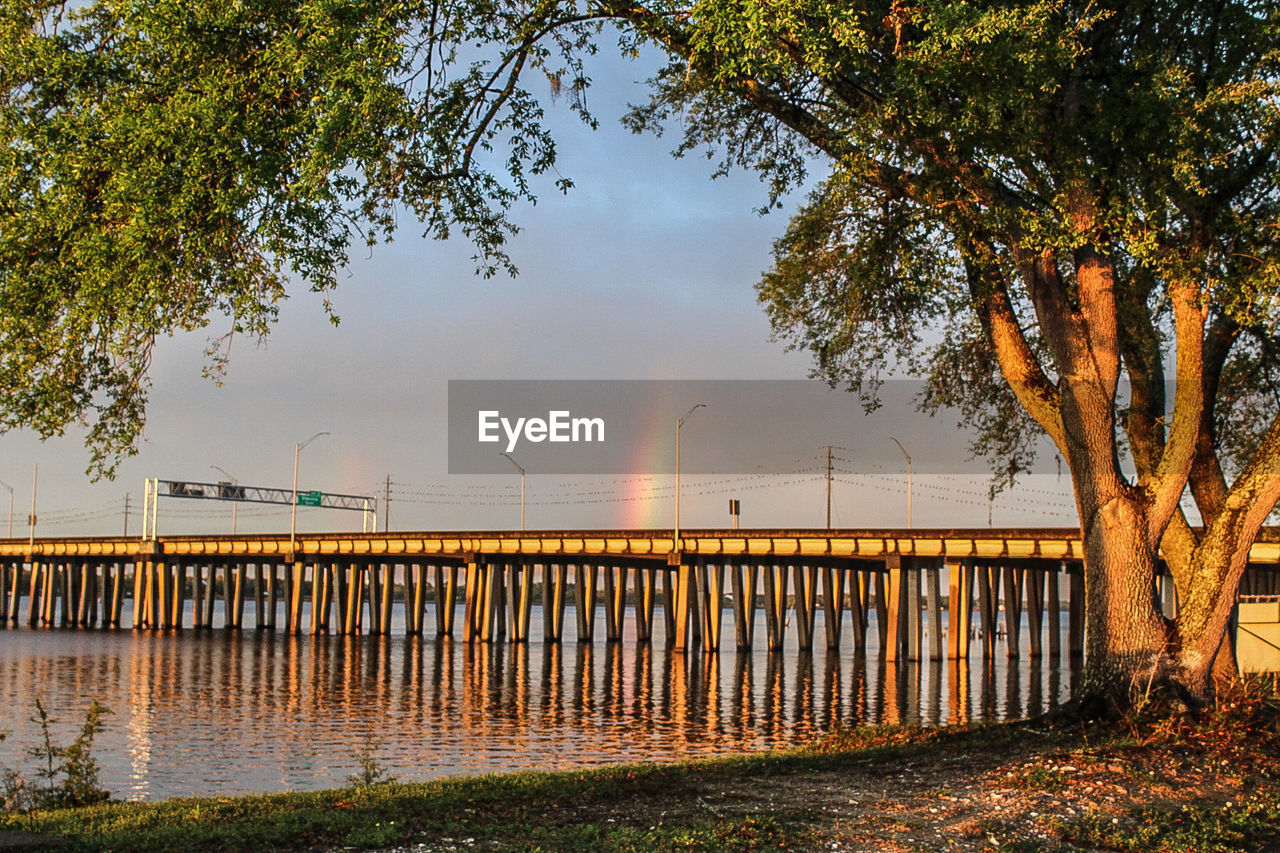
[
  {"x": 644, "y": 581},
  {"x": 960, "y": 609},
  {"x": 775, "y": 605},
  {"x": 806, "y": 603},
  {"x": 471, "y": 601},
  {"x": 615, "y": 601},
  {"x": 163, "y": 570},
  {"x": 520, "y": 598},
  {"x": 859, "y": 595},
  {"x": 14, "y": 584},
  {"x": 933, "y": 597},
  {"x": 669, "y": 577},
  {"x": 911, "y": 606},
  {"x": 488, "y": 595},
  {"x": 833, "y": 581},
  {"x": 179, "y": 593},
  {"x": 1033, "y": 581},
  {"x": 273, "y": 591},
  {"x": 1075, "y": 624},
  {"x": 988, "y": 590},
  {"x": 555, "y": 580},
  {"x": 341, "y": 593},
  {"x": 1013, "y": 580},
  {"x": 742, "y": 577},
  {"x": 891, "y": 636},
  {"x": 385, "y": 598},
  {"x": 415, "y": 582},
  {"x": 585, "y": 600},
  {"x": 710, "y": 579},
  {"x": 446, "y": 593},
  {"x": 141, "y": 572},
  {"x": 1053, "y": 605},
  {"x": 685, "y": 605},
  {"x": 239, "y": 591}
]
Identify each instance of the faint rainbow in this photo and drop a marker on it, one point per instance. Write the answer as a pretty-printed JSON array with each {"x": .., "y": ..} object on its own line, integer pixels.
[{"x": 646, "y": 504}]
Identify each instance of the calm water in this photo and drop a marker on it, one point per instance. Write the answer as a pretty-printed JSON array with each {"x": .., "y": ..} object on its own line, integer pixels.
[{"x": 222, "y": 712}]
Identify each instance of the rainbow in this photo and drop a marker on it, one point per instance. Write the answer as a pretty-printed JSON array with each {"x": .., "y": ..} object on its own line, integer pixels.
[{"x": 645, "y": 503}]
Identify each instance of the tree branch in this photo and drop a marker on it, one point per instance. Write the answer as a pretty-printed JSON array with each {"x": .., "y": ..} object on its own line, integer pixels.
[
  {"x": 1018, "y": 363},
  {"x": 1169, "y": 481}
]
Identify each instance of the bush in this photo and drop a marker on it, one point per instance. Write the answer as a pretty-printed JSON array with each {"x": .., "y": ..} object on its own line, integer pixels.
[{"x": 68, "y": 774}]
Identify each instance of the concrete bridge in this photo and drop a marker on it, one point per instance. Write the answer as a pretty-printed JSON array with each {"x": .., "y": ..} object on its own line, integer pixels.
[{"x": 355, "y": 583}]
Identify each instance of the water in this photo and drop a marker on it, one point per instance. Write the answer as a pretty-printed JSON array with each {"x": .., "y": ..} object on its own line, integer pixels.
[{"x": 223, "y": 712}]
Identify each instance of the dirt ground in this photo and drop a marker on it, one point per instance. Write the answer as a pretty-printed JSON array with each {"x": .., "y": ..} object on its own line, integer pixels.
[{"x": 1037, "y": 789}]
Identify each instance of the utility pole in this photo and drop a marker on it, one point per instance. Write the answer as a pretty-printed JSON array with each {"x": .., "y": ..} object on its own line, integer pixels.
[
  {"x": 386, "y": 507},
  {"x": 828, "y": 487},
  {"x": 126, "y": 515},
  {"x": 35, "y": 477}
]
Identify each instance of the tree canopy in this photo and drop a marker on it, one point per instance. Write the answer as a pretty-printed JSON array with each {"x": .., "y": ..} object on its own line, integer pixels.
[{"x": 1028, "y": 202}]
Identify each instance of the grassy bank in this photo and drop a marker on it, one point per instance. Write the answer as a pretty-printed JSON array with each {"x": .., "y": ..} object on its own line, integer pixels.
[{"x": 1155, "y": 783}]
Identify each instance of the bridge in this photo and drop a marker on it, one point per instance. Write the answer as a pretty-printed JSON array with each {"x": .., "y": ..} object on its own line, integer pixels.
[{"x": 348, "y": 583}]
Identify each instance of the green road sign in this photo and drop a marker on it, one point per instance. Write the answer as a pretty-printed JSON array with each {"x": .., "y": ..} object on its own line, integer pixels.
[{"x": 311, "y": 498}]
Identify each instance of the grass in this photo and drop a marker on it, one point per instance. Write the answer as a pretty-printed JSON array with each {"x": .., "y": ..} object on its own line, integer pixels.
[
  {"x": 632, "y": 807},
  {"x": 521, "y": 811},
  {"x": 1205, "y": 784}
]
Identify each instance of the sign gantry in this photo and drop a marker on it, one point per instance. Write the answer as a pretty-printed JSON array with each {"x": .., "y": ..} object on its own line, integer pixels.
[{"x": 156, "y": 488}]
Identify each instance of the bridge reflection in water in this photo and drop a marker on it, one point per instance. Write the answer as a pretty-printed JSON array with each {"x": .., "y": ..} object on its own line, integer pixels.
[{"x": 252, "y": 711}]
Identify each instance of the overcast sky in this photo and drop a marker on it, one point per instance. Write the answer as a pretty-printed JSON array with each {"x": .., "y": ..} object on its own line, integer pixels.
[{"x": 644, "y": 271}]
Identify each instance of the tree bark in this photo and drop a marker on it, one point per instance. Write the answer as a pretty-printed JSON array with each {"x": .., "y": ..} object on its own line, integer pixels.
[
  {"x": 1219, "y": 563},
  {"x": 1125, "y": 639}
]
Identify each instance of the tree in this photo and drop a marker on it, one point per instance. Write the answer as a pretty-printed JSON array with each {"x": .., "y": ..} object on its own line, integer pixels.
[
  {"x": 1088, "y": 197},
  {"x": 1028, "y": 202}
]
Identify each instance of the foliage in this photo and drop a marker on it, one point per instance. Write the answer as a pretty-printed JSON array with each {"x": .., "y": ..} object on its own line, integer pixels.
[
  {"x": 180, "y": 162},
  {"x": 167, "y": 166},
  {"x": 68, "y": 776},
  {"x": 371, "y": 772}
]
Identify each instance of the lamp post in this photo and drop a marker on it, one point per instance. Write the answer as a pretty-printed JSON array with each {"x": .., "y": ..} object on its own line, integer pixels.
[
  {"x": 906, "y": 456},
  {"x": 235, "y": 504},
  {"x": 675, "y": 542},
  {"x": 521, "y": 470},
  {"x": 10, "y": 488},
  {"x": 293, "y": 506}
]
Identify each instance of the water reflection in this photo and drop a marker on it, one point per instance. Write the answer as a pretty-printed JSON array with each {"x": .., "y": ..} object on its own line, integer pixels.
[{"x": 225, "y": 712}]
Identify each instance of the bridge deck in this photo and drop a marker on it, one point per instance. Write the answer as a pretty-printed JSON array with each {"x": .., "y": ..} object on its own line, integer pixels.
[
  {"x": 949, "y": 543},
  {"x": 349, "y": 583}
]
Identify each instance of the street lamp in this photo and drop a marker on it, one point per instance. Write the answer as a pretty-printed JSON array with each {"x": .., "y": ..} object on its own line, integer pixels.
[
  {"x": 906, "y": 456},
  {"x": 10, "y": 488},
  {"x": 521, "y": 470},
  {"x": 235, "y": 504},
  {"x": 675, "y": 542},
  {"x": 293, "y": 507}
]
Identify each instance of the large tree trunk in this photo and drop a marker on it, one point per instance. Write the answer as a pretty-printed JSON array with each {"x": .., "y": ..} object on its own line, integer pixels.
[
  {"x": 1125, "y": 640},
  {"x": 1125, "y": 636}
]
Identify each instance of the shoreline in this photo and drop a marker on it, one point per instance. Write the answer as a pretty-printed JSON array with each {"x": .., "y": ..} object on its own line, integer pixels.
[{"x": 1147, "y": 784}]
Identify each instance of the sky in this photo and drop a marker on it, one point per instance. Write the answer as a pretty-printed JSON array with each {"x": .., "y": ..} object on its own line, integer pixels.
[{"x": 645, "y": 270}]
